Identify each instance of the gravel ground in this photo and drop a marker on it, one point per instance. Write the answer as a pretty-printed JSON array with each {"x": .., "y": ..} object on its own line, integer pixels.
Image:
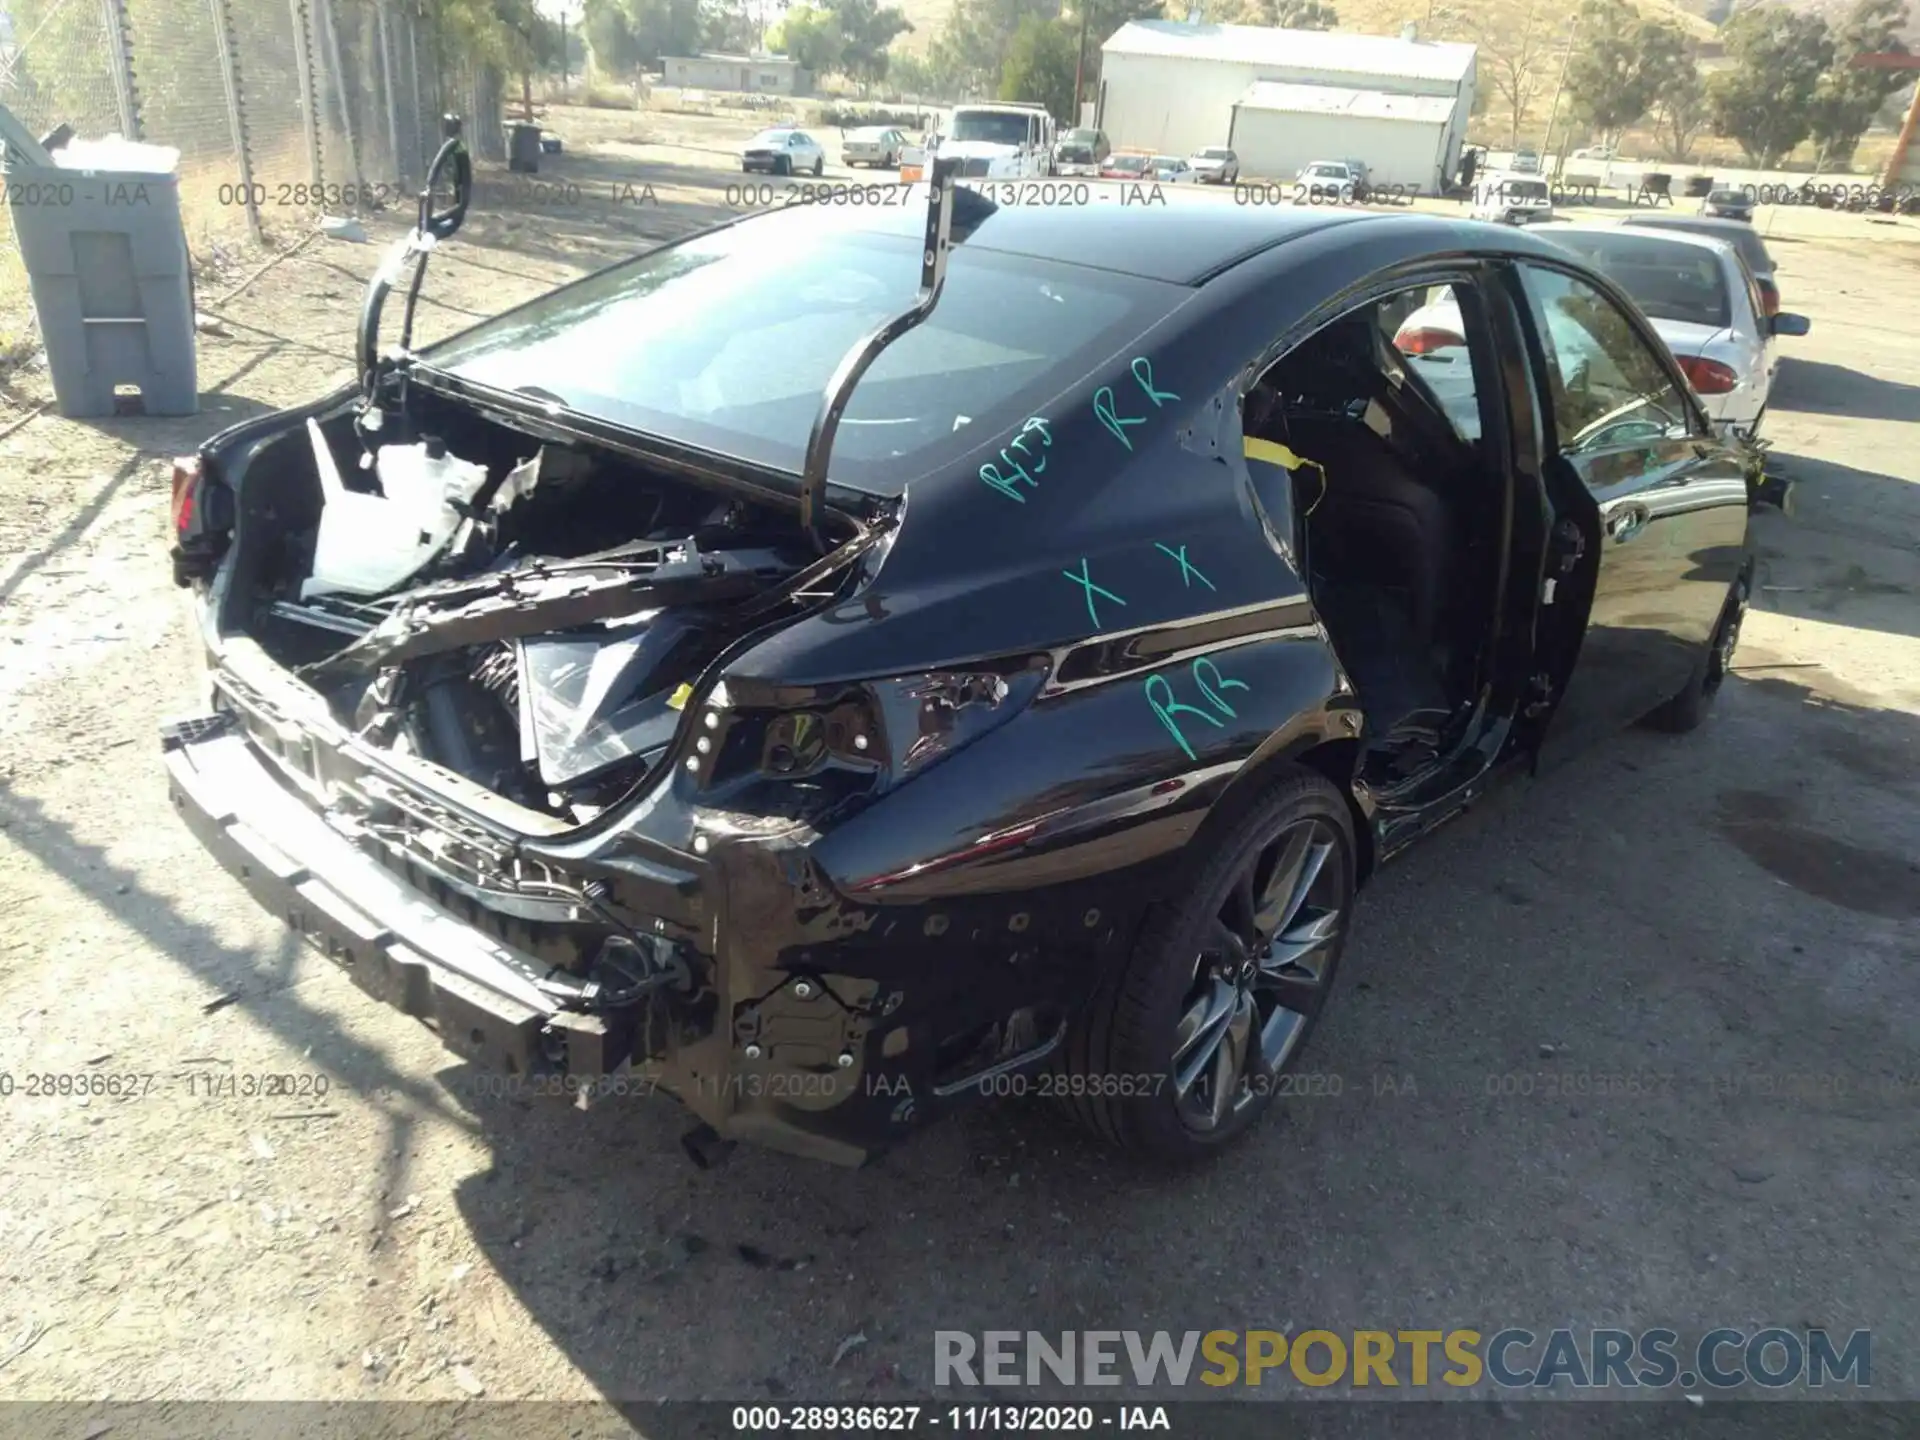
[{"x": 1737, "y": 911}]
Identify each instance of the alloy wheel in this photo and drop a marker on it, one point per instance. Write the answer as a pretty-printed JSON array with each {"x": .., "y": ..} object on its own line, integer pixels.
[{"x": 1261, "y": 975}]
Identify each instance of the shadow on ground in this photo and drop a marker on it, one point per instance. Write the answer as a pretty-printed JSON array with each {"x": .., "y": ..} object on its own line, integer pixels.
[{"x": 1817, "y": 387}]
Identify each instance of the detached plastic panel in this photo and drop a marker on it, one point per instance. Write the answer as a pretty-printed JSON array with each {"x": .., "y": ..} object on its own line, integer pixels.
[{"x": 107, "y": 261}]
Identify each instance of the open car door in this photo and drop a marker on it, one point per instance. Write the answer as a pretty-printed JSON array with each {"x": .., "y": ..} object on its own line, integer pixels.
[{"x": 1650, "y": 514}]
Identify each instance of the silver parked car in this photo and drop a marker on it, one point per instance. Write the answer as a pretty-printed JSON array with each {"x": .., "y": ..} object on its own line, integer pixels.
[
  {"x": 783, "y": 151},
  {"x": 1325, "y": 182},
  {"x": 1216, "y": 165},
  {"x": 875, "y": 145}
]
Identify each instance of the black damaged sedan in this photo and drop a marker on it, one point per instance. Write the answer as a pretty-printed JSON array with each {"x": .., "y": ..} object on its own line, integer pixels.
[{"x": 845, "y": 664}]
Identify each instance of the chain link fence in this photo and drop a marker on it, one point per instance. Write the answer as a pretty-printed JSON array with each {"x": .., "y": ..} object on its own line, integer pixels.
[{"x": 282, "y": 110}]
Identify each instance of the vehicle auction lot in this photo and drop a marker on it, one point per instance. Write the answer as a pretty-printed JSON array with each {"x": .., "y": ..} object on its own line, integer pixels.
[{"x": 1637, "y": 1044}]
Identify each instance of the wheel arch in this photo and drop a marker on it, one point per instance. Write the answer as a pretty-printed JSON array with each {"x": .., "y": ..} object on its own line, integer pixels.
[{"x": 1327, "y": 745}]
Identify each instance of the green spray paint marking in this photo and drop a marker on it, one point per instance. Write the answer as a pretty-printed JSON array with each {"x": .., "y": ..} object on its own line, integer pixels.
[
  {"x": 1085, "y": 582},
  {"x": 1167, "y": 707},
  {"x": 1115, "y": 422},
  {"x": 991, "y": 474},
  {"x": 1143, "y": 372},
  {"x": 1188, "y": 571}
]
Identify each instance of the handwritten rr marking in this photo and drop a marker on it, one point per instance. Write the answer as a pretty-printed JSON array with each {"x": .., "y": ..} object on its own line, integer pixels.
[
  {"x": 1167, "y": 707},
  {"x": 1085, "y": 581},
  {"x": 1115, "y": 422},
  {"x": 1189, "y": 572},
  {"x": 1213, "y": 697},
  {"x": 1158, "y": 397}
]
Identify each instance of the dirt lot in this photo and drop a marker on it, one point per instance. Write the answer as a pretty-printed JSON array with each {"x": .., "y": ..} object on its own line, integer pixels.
[{"x": 1739, "y": 910}]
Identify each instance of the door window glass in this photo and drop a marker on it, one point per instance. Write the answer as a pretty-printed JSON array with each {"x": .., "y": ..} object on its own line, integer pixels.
[
  {"x": 1430, "y": 335},
  {"x": 1609, "y": 388}
]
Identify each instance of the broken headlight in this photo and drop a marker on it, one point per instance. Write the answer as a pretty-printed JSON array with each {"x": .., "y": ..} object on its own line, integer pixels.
[{"x": 923, "y": 718}]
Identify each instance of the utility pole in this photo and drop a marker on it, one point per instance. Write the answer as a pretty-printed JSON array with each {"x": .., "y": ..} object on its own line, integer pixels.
[
  {"x": 1080, "y": 62},
  {"x": 1553, "y": 114}
]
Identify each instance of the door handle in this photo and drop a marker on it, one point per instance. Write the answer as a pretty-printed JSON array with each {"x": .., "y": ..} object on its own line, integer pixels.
[{"x": 1626, "y": 522}]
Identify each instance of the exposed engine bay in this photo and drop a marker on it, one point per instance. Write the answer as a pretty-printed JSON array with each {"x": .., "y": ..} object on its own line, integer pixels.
[{"x": 551, "y": 601}]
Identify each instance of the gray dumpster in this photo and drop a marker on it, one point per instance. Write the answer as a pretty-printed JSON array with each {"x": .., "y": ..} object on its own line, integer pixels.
[
  {"x": 523, "y": 147},
  {"x": 107, "y": 260}
]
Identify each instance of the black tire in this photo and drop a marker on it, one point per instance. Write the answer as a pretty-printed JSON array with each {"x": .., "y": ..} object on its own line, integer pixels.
[
  {"x": 1688, "y": 709},
  {"x": 1184, "y": 969},
  {"x": 783, "y": 165},
  {"x": 819, "y": 165}
]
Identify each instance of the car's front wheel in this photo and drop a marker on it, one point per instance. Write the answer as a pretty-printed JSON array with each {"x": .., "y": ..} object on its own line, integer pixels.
[
  {"x": 1185, "y": 1046},
  {"x": 783, "y": 166},
  {"x": 819, "y": 165}
]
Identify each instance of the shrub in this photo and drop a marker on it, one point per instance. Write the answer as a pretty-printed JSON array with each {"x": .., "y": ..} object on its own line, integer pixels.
[
  {"x": 611, "y": 97},
  {"x": 851, "y": 116}
]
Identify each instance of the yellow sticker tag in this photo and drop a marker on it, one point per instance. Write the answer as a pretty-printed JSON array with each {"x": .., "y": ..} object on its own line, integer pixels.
[
  {"x": 1274, "y": 453},
  {"x": 678, "y": 700}
]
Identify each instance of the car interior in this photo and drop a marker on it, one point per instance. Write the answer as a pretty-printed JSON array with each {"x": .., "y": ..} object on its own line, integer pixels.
[{"x": 1398, "y": 525}]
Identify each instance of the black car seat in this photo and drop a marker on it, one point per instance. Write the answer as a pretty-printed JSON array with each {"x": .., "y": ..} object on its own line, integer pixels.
[
  {"x": 1376, "y": 524},
  {"x": 1380, "y": 542}
]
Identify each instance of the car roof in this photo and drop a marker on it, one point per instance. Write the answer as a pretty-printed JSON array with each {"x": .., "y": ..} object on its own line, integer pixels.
[
  {"x": 1748, "y": 241},
  {"x": 1181, "y": 244},
  {"x": 1175, "y": 243},
  {"x": 1704, "y": 242}
]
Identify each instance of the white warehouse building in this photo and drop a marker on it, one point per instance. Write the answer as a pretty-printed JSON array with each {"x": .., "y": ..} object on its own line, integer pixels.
[{"x": 1284, "y": 98}]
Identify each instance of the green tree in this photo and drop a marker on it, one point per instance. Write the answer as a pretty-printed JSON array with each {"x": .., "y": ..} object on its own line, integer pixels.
[
  {"x": 1765, "y": 99},
  {"x": 1614, "y": 70},
  {"x": 728, "y": 27},
  {"x": 1847, "y": 99},
  {"x": 1679, "y": 94},
  {"x": 1040, "y": 65},
  {"x": 811, "y": 38},
  {"x": 628, "y": 34},
  {"x": 867, "y": 28},
  {"x": 910, "y": 75}
]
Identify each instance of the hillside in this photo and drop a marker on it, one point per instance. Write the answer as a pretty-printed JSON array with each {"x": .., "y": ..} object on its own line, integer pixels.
[
  {"x": 1439, "y": 19},
  {"x": 1833, "y": 10}
]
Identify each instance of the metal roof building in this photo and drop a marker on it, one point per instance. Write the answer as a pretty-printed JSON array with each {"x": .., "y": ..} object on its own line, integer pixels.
[{"x": 1283, "y": 98}]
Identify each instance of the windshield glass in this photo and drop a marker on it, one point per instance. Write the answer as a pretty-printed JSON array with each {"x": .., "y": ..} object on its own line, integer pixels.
[
  {"x": 994, "y": 127},
  {"x": 1527, "y": 189},
  {"x": 771, "y": 139},
  {"x": 1668, "y": 279},
  {"x": 1075, "y": 154},
  {"x": 726, "y": 342},
  {"x": 1215, "y": 154},
  {"x": 1132, "y": 164},
  {"x": 1328, "y": 172}
]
